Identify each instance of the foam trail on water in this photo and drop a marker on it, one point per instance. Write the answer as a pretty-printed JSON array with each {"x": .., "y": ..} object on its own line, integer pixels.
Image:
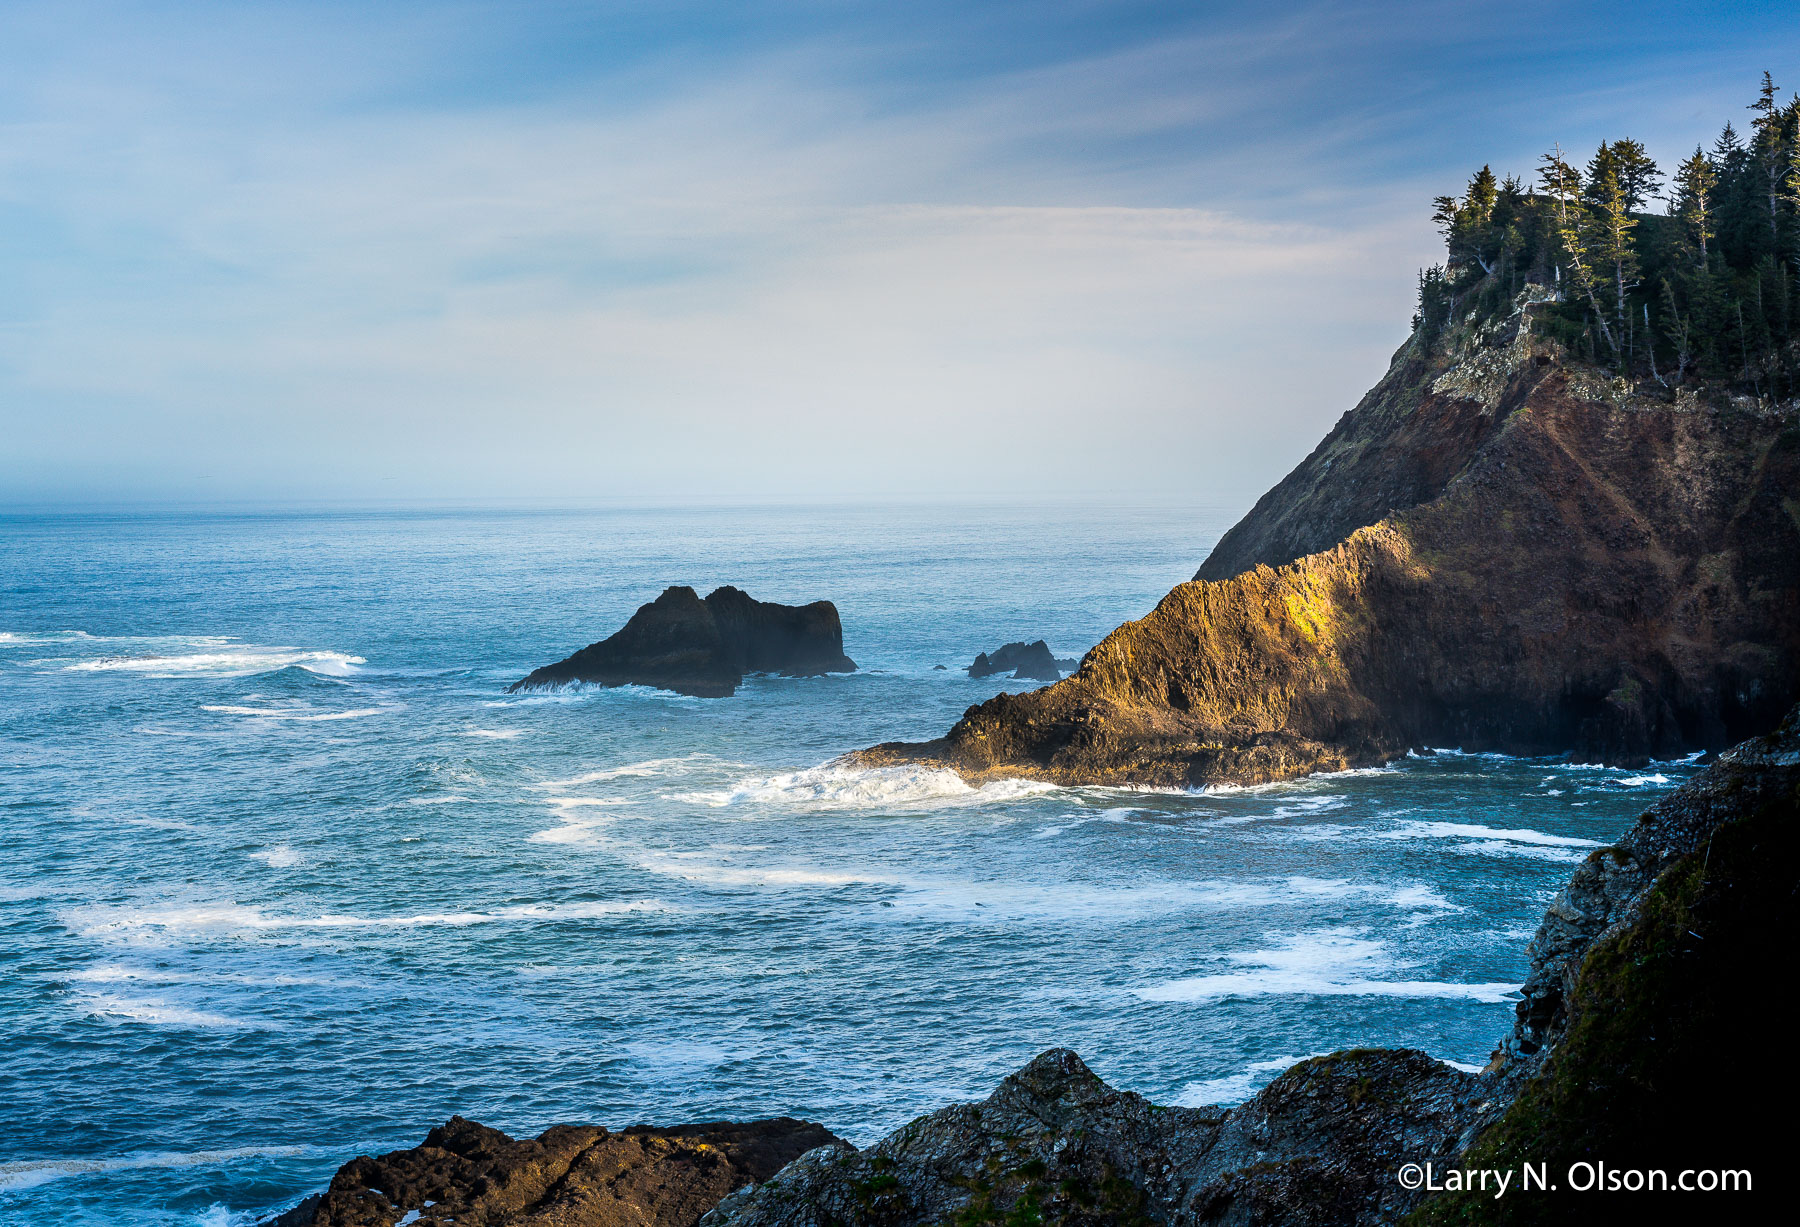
[
  {"x": 646, "y": 769},
  {"x": 1234, "y": 1088},
  {"x": 221, "y": 658},
  {"x": 835, "y": 787},
  {"x": 1333, "y": 963},
  {"x": 158, "y": 1012},
  {"x": 30, "y": 1173},
  {"x": 224, "y": 919},
  {"x": 289, "y": 713}
]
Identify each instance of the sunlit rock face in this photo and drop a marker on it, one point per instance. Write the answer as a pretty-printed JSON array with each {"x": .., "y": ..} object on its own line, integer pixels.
[{"x": 1495, "y": 550}]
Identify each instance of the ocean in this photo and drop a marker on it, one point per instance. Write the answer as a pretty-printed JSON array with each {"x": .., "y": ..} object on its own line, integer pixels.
[{"x": 287, "y": 876}]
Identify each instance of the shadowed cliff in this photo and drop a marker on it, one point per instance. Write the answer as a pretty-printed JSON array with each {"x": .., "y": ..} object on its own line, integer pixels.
[{"x": 1497, "y": 550}]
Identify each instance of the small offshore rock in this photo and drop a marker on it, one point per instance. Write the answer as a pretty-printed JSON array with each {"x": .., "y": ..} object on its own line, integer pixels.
[{"x": 1025, "y": 661}]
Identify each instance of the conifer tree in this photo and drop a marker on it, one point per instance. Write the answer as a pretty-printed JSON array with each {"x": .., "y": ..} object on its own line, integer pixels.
[
  {"x": 1609, "y": 244},
  {"x": 1562, "y": 183},
  {"x": 1639, "y": 176},
  {"x": 1771, "y": 148},
  {"x": 1695, "y": 180}
]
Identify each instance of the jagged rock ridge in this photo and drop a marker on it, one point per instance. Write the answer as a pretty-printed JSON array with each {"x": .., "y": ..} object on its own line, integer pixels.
[
  {"x": 1025, "y": 661},
  {"x": 1497, "y": 550},
  {"x": 704, "y": 648},
  {"x": 569, "y": 1176}
]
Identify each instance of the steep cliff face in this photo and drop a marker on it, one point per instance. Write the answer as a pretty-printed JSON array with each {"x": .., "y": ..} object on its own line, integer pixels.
[
  {"x": 1574, "y": 565},
  {"x": 1651, "y": 1037}
]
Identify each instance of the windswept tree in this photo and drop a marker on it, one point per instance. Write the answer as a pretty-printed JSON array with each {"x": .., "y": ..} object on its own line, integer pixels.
[
  {"x": 1631, "y": 164},
  {"x": 1562, "y": 184},
  {"x": 1695, "y": 181},
  {"x": 1609, "y": 244},
  {"x": 1771, "y": 147}
]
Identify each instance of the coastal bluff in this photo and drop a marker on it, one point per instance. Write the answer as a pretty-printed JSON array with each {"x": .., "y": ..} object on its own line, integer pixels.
[
  {"x": 1500, "y": 548},
  {"x": 705, "y": 647}
]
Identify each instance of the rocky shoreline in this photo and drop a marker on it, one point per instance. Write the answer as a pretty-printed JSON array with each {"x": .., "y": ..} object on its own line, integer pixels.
[
  {"x": 1644, "y": 1039},
  {"x": 567, "y": 1176}
]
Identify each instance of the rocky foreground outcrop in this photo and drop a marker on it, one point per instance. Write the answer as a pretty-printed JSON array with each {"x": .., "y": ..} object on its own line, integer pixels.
[
  {"x": 1025, "y": 661},
  {"x": 1498, "y": 549},
  {"x": 568, "y": 1176},
  {"x": 1653, "y": 1035},
  {"x": 705, "y": 647}
]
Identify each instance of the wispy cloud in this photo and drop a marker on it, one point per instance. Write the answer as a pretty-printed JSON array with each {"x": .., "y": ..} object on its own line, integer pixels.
[{"x": 469, "y": 250}]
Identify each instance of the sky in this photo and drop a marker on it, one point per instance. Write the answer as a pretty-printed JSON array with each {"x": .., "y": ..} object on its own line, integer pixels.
[{"x": 760, "y": 252}]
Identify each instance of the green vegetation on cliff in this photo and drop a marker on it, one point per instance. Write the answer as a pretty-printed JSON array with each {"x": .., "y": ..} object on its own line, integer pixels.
[{"x": 1705, "y": 290}]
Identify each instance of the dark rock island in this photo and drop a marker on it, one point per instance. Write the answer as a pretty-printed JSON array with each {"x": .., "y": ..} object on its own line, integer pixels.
[
  {"x": 1025, "y": 661},
  {"x": 705, "y": 647},
  {"x": 568, "y": 1176}
]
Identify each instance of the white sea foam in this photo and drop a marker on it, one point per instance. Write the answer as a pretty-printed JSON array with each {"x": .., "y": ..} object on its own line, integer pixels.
[
  {"x": 495, "y": 734},
  {"x": 30, "y": 1173},
  {"x": 837, "y": 787},
  {"x": 290, "y": 713},
  {"x": 279, "y": 857},
  {"x": 230, "y": 919},
  {"x": 1234, "y": 1088},
  {"x": 159, "y": 1012},
  {"x": 1331, "y": 963},
  {"x": 1304, "y": 807},
  {"x": 1465, "y": 1066},
  {"x": 218, "y": 657},
  {"x": 1462, "y": 830},
  {"x": 646, "y": 769},
  {"x": 117, "y": 973},
  {"x": 708, "y": 874}
]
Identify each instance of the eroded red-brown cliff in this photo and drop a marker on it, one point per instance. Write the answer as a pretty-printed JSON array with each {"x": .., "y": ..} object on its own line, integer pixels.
[{"x": 1498, "y": 549}]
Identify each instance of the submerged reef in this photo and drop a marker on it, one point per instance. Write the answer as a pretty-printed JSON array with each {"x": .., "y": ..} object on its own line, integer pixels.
[{"x": 705, "y": 647}]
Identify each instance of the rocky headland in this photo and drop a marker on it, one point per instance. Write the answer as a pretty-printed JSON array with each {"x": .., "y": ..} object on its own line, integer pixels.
[
  {"x": 1032, "y": 662},
  {"x": 1647, "y": 1038},
  {"x": 1500, "y": 548},
  {"x": 705, "y": 647},
  {"x": 568, "y": 1176}
]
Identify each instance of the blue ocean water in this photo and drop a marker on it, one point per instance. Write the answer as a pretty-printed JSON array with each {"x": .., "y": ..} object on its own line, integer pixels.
[{"x": 286, "y": 876}]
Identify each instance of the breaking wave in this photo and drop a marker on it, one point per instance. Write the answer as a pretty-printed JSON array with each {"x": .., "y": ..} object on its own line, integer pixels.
[
  {"x": 1333, "y": 963},
  {"x": 838, "y": 787},
  {"x": 31, "y": 1173}
]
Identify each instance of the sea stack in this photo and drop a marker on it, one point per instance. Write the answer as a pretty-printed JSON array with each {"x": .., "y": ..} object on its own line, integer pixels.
[
  {"x": 705, "y": 647},
  {"x": 1025, "y": 661}
]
